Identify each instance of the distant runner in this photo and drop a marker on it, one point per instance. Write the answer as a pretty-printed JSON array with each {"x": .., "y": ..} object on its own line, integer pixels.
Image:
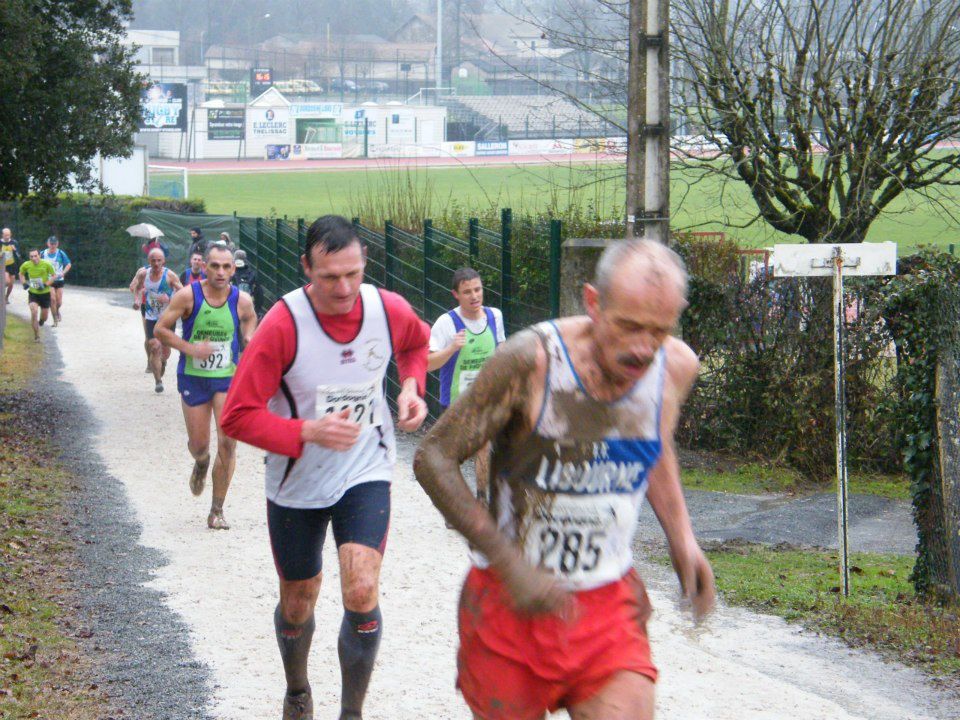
[
  {"x": 58, "y": 258},
  {"x": 218, "y": 320},
  {"x": 152, "y": 288},
  {"x": 195, "y": 272},
  {"x": 37, "y": 276},
  {"x": 461, "y": 341},
  {"x": 10, "y": 249}
]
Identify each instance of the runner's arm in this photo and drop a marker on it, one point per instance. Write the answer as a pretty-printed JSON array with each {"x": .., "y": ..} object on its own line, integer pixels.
[
  {"x": 438, "y": 358},
  {"x": 442, "y": 343},
  {"x": 174, "y": 281},
  {"x": 411, "y": 339},
  {"x": 248, "y": 318},
  {"x": 501, "y": 394},
  {"x": 136, "y": 285},
  {"x": 165, "y": 331},
  {"x": 665, "y": 493},
  {"x": 245, "y": 414}
]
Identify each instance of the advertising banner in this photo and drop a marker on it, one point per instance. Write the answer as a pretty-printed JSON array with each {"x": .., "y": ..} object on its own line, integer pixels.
[
  {"x": 541, "y": 147},
  {"x": 278, "y": 152},
  {"x": 316, "y": 110},
  {"x": 395, "y": 150},
  {"x": 163, "y": 107},
  {"x": 261, "y": 80},
  {"x": 459, "y": 149},
  {"x": 224, "y": 124},
  {"x": 268, "y": 124},
  {"x": 318, "y": 151},
  {"x": 497, "y": 147}
]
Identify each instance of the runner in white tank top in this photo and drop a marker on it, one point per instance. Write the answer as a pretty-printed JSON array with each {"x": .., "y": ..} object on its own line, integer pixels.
[
  {"x": 581, "y": 413},
  {"x": 310, "y": 391}
]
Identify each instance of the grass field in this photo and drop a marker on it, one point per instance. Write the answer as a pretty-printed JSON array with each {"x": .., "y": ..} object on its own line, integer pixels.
[{"x": 706, "y": 205}]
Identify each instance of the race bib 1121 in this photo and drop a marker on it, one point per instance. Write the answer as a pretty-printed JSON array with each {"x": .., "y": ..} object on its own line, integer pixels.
[{"x": 363, "y": 400}]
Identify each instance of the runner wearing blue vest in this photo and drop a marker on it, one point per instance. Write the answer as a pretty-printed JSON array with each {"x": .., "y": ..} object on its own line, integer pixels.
[
  {"x": 61, "y": 263},
  {"x": 218, "y": 321},
  {"x": 461, "y": 341}
]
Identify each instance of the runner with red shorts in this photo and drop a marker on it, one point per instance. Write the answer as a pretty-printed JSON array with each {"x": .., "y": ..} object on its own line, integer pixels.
[{"x": 581, "y": 413}]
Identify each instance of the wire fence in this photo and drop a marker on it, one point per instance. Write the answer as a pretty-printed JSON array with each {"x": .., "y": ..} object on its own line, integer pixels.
[
  {"x": 519, "y": 262},
  {"x": 420, "y": 266}
]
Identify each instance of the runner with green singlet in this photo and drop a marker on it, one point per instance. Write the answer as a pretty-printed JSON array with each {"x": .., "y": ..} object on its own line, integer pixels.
[
  {"x": 461, "y": 341},
  {"x": 218, "y": 319},
  {"x": 37, "y": 276}
]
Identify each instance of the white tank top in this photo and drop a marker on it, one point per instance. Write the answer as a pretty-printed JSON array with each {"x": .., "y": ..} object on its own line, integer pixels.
[
  {"x": 570, "y": 497},
  {"x": 327, "y": 376},
  {"x": 152, "y": 289}
]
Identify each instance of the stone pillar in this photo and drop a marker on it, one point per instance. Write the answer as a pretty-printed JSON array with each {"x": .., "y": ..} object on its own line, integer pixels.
[{"x": 577, "y": 263}]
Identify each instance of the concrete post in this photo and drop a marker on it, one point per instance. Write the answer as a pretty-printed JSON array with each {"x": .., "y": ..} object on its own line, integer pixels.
[{"x": 577, "y": 264}]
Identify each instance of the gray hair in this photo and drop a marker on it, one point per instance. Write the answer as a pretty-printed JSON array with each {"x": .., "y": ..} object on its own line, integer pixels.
[{"x": 659, "y": 263}]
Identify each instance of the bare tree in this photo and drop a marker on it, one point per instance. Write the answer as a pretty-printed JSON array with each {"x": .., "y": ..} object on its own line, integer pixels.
[{"x": 829, "y": 110}]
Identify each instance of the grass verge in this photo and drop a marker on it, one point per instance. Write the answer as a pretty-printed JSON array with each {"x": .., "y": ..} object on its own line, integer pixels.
[
  {"x": 757, "y": 479},
  {"x": 882, "y": 613},
  {"x": 43, "y": 670}
]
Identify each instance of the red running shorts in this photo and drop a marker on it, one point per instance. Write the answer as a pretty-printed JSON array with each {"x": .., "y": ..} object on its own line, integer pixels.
[{"x": 517, "y": 667}]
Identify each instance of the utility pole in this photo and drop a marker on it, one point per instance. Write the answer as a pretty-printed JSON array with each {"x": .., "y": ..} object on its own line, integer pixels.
[
  {"x": 648, "y": 121},
  {"x": 439, "y": 47}
]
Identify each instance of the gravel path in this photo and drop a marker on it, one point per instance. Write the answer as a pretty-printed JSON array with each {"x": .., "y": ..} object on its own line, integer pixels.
[{"x": 185, "y": 612}]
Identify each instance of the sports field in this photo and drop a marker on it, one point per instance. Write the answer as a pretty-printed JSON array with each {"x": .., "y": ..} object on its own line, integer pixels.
[{"x": 704, "y": 205}]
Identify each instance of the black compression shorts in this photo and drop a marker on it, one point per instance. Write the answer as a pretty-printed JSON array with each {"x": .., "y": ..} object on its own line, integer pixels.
[{"x": 361, "y": 516}]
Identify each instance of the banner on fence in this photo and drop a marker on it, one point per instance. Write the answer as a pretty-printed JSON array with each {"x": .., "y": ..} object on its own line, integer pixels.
[
  {"x": 224, "y": 124},
  {"x": 485, "y": 148},
  {"x": 163, "y": 107},
  {"x": 278, "y": 152},
  {"x": 395, "y": 150},
  {"x": 541, "y": 147},
  {"x": 318, "y": 151},
  {"x": 459, "y": 149}
]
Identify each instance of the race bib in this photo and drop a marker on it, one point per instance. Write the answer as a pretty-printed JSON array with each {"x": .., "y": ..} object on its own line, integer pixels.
[
  {"x": 220, "y": 358},
  {"x": 466, "y": 379},
  {"x": 8, "y": 257},
  {"x": 37, "y": 283},
  {"x": 582, "y": 539},
  {"x": 154, "y": 303},
  {"x": 361, "y": 399}
]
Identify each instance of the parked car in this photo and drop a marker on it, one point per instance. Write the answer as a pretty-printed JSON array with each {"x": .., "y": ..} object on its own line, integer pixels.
[
  {"x": 336, "y": 85},
  {"x": 378, "y": 86}
]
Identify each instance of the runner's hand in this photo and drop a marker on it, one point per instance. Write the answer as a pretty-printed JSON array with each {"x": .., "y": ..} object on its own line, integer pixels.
[
  {"x": 201, "y": 349},
  {"x": 697, "y": 585},
  {"x": 136, "y": 306},
  {"x": 460, "y": 339},
  {"x": 411, "y": 411},
  {"x": 163, "y": 298},
  {"x": 535, "y": 591},
  {"x": 335, "y": 431}
]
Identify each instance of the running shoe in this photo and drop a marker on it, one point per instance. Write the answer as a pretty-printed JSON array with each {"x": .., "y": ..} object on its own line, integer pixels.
[
  {"x": 158, "y": 388},
  {"x": 299, "y": 706}
]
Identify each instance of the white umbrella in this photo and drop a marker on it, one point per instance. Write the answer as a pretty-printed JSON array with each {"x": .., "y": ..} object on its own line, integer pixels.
[{"x": 145, "y": 230}]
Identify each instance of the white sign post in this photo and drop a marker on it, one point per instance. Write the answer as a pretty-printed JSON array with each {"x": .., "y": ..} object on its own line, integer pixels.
[{"x": 837, "y": 261}]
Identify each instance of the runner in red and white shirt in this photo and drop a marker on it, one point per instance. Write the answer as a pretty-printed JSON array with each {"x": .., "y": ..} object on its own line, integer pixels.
[{"x": 310, "y": 391}]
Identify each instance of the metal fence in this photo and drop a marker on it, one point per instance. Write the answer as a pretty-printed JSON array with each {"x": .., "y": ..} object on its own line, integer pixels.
[{"x": 521, "y": 272}]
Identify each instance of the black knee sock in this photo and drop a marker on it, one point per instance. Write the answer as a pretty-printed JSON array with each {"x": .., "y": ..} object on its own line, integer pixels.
[
  {"x": 294, "y": 642},
  {"x": 359, "y": 640}
]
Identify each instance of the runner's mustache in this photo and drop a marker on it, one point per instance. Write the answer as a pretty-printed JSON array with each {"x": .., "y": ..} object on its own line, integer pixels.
[{"x": 634, "y": 361}]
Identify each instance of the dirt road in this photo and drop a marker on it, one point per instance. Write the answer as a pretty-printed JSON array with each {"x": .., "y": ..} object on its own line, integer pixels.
[{"x": 221, "y": 586}]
